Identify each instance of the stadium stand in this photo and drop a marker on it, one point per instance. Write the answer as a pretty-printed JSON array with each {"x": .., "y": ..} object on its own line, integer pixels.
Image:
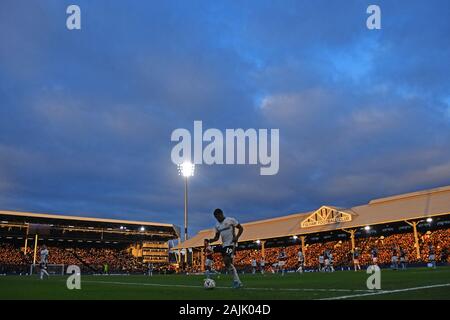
[
  {"x": 96, "y": 245},
  {"x": 342, "y": 252},
  {"x": 409, "y": 221}
]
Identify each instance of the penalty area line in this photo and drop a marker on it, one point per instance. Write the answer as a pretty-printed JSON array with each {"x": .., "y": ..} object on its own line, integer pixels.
[
  {"x": 387, "y": 292},
  {"x": 244, "y": 288}
]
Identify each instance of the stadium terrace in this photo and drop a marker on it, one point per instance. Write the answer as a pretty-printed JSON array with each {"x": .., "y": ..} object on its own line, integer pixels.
[
  {"x": 124, "y": 245},
  {"x": 411, "y": 218}
]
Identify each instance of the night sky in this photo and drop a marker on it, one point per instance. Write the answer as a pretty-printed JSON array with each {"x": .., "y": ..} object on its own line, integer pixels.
[{"x": 86, "y": 115}]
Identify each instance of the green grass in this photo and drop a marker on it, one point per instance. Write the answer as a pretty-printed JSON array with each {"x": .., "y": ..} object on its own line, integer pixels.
[{"x": 292, "y": 286}]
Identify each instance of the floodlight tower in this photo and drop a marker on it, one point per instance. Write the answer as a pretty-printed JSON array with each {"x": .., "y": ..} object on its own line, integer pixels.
[{"x": 186, "y": 169}]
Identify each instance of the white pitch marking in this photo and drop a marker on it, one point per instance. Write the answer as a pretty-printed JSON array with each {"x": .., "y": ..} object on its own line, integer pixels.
[
  {"x": 244, "y": 288},
  {"x": 387, "y": 292}
]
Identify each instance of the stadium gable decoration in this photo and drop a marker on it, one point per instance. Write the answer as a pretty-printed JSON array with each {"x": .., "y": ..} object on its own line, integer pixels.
[{"x": 325, "y": 215}]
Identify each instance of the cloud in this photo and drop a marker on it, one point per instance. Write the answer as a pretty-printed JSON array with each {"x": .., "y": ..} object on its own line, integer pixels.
[{"x": 86, "y": 117}]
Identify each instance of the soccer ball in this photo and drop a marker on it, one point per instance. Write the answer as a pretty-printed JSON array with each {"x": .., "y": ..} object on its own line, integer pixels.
[{"x": 209, "y": 284}]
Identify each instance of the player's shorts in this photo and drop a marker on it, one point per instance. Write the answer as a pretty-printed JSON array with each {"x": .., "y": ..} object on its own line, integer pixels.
[
  {"x": 327, "y": 262},
  {"x": 356, "y": 261},
  {"x": 394, "y": 259},
  {"x": 402, "y": 259},
  {"x": 208, "y": 263},
  {"x": 228, "y": 251},
  {"x": 375, "y": 259},
  {"x": 432, "y": 257},
  {"x": 281, "y": 263}
]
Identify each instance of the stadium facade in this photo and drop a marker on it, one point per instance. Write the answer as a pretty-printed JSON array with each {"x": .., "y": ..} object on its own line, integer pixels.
[{"x": 416, "y": 212}]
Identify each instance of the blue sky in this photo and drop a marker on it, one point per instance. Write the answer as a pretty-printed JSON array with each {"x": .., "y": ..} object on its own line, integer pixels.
[{"x": 86, "y": 116}]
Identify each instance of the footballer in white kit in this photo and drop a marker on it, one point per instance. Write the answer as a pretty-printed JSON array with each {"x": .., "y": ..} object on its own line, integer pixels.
[
  {"x": 301, "y": 260},
  {"x": 44, "y": 262},
  {"x": 321, "y": 262},
  {"x": 209, "y": 258},
  {"x": 262, "y": 265},
  {"x": 254, "y": 265},
  {"x": 226, "y": 230}
]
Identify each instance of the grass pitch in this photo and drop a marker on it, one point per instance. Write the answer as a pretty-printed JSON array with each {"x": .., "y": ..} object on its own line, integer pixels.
[{"x": 417, "y": 283}]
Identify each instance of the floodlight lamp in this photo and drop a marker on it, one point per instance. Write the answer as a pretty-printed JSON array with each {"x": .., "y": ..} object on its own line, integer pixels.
[{"x": 186, "y": 169}]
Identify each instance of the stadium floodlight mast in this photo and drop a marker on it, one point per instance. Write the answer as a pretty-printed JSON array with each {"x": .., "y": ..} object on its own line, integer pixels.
[{"x": 186, "y": 169}]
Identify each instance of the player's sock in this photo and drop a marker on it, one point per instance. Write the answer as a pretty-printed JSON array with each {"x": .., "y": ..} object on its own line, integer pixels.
[{"x": 235, "y": 274}]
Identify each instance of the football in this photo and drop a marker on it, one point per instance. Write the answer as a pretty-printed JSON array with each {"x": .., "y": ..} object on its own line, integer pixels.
[{"x": 209, "y": 284}]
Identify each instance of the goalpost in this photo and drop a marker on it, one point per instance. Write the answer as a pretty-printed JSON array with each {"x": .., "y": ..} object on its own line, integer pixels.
[{"x": 52, "y": 269}]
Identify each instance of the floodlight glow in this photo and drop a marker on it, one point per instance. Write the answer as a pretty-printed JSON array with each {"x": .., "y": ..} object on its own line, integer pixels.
[
  {"x": 142, "y": 229},
  {"x": 258, "y": 241},
  {"x": 186, "y": 169},
  {"x": 429, "y": 220},
  {"x": 295, "y": 237},
  {"x": 367, "y": 228}
]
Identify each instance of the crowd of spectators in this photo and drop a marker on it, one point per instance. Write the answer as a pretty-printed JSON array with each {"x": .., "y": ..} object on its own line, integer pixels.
[
  {"x": 120, "y": 260},
  {"x": 91, "y": 259},
  {"x": 342, "y": 251}
]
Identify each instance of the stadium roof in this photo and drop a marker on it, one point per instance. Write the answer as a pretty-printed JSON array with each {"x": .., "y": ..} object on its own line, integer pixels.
[
  {"x": 44, "y": 216},
  {"x": 58, "y": 226},
  {"x": 409, "y": 206}
]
